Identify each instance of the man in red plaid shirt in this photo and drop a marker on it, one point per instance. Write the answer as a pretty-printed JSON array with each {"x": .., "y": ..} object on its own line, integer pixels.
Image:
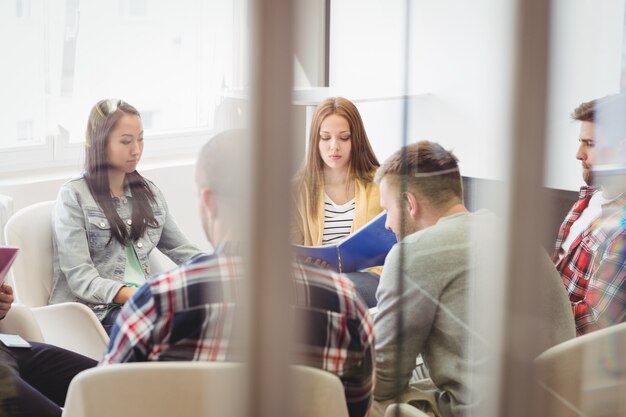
[
  {"x": 191, "y": 313},
  {"x": 590, "y": 251}
]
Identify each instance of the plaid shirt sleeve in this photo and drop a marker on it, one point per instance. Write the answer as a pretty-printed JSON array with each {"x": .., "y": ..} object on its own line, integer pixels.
[
  {"x": 605, "y": 301},
  {"x": 132, "y": 331},
  {"x": 340, "y": 333}
]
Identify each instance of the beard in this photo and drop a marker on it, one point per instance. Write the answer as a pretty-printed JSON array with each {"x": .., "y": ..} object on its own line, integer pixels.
[
  {"x": 407, "y": 227},
  {"x": 588, "y": 176}
]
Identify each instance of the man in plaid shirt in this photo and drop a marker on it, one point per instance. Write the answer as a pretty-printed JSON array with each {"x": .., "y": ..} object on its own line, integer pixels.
[
  {"x": 589, "y": 251},
  {"x": 191, "y": 312}
]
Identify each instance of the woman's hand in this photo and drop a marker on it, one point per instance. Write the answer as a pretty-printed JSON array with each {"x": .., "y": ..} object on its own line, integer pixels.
[
  {"x": 320, "y": 263},
  {"x": 124, "y": 294},
  {"x": 6, "y": 299}
]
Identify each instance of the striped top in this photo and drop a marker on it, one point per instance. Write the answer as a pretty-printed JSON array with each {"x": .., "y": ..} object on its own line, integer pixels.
[{"x": 338, "y": 220}]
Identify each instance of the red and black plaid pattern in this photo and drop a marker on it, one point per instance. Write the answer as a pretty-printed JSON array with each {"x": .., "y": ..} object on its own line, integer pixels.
[
  {"x": 594, "y": 269},
  {"x": 191, "y": 313},
  {"x": 575, "y": 212}
]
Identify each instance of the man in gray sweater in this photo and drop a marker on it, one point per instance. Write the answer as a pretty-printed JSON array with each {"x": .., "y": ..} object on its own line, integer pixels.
[{"x": 431, "y": 281}]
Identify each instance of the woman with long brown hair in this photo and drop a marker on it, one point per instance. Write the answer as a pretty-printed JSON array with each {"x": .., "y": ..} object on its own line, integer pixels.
[
  {"x": 109, "y": 219},
  {"x": 335, "y": 192}
]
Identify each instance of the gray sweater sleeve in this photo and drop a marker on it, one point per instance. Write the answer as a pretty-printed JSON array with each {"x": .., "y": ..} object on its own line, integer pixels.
[{"x": 397, "y": 347}]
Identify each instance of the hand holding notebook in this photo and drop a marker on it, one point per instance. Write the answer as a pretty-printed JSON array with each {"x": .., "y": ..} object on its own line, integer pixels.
[
  {"x": 7, "y": 256},
  {"x": 365, "y": 248}
]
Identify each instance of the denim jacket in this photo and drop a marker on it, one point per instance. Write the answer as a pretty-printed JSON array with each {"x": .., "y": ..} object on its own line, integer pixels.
[{"x": 88, "y": 270}]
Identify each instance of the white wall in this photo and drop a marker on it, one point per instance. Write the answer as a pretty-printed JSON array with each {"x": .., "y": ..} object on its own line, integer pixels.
[
  {"x": 460, "y": 54},
  {"x": 176, "y": 181},
  {"x": 586, "y": 53}
]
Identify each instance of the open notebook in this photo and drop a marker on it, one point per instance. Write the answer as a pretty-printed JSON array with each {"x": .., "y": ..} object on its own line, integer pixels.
[{"x": 7, "y": 256}]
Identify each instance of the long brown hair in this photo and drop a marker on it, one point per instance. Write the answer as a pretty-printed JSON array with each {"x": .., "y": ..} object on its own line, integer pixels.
[
  {"x": 102, "y": 120},
  {"x": 363, "y": 162}
]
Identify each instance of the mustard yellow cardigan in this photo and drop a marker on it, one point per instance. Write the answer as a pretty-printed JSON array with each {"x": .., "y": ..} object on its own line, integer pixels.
[{"x": 309, "y": 230}]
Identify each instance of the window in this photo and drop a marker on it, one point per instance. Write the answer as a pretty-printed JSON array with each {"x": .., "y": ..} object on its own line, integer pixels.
[
  {"x": 623, "y": 76},
  {"x": 172, "y": 63},
  {"x": 22, "y": 8}
]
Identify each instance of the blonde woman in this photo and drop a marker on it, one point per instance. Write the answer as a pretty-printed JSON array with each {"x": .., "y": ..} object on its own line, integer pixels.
[{"x": 335, "y": 192}]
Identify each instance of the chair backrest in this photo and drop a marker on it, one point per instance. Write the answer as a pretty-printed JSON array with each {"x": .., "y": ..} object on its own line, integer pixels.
[
  {"x": 585, "y": 375},
  {"x": 317, "y": 393},
  {"x": 30, "y": 229},
  {"x": 192, "y": 389},
  {"x": 189, "y": 389}
]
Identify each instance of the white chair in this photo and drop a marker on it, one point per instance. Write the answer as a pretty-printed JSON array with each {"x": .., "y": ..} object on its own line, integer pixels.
[
  {"x": 21, "y": 320},
  {"x": 159, "y": 262},
  {"x": 585, "y": 376},
  {"x": 317, "y": 393},
  {"x": 190, "y": 389},
  {"x": 403, "y": 410},
  {"x": 182, "y": 389},
  {"x": 72, "y": 326}
]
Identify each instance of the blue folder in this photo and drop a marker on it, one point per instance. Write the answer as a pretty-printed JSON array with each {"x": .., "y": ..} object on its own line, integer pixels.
[{"x": 363, "y": 249}]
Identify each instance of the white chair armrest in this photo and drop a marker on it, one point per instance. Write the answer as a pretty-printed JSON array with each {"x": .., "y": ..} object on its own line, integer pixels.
[
  {"x": 72, "y": 326},
  {"x": 403, "y": 410},
  {"x": 21, "y": 320},
  {"x": 160, "y": 263}
]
